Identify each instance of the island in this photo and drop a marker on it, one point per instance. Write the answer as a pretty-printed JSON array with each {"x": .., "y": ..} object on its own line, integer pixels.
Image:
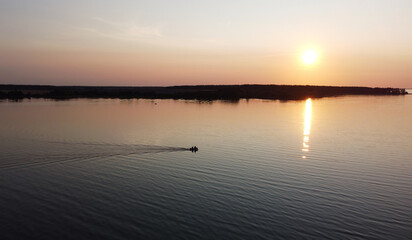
[{"x": 191, "y": 92}]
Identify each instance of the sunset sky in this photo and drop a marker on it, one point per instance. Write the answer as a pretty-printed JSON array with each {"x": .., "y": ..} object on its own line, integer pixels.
[{"x": 162, "y": 42}]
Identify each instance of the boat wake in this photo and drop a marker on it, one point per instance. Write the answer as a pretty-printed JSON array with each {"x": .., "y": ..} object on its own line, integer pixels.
[{"x": 42, "y": 153}]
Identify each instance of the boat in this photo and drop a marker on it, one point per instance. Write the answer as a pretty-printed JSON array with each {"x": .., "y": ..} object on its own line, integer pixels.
[{"x": 194, "y": 149}]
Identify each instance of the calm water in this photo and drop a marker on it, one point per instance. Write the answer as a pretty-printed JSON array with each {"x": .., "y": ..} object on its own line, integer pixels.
[{"x": 333, "y": 168}]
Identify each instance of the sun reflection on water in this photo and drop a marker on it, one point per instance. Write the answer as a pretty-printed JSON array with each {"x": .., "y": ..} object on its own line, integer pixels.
[{"x": 306, "y": 131}]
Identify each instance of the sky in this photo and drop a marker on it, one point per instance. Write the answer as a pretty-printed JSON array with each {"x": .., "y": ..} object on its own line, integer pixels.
[{"x": 190, "y": 42}]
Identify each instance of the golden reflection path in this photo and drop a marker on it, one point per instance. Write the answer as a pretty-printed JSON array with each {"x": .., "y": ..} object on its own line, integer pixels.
[{"x": 306, "y": 130}]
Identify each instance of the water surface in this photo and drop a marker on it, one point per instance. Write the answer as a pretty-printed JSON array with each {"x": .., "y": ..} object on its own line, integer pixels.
[{"x": 332, "y": 168}]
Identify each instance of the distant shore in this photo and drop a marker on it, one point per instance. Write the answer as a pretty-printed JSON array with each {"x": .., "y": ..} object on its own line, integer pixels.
[{"x": 198, "y": 92}]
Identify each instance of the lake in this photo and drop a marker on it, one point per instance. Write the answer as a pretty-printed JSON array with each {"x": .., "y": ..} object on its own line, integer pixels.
[{"x": 330, "y": 168}]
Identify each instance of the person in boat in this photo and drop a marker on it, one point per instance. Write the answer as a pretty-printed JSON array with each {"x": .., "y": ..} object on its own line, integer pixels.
[{"x": 193, "y": 149}]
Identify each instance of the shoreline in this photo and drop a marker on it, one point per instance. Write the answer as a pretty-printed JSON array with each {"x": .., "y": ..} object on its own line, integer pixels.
[{"x": 191, "y": 92}]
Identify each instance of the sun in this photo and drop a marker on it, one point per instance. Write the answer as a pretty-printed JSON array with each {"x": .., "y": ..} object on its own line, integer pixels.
[{"x": 309, "y": 57}]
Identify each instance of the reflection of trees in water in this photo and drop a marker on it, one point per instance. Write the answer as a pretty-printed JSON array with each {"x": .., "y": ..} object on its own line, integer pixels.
[{"x": 231, "y": 93}]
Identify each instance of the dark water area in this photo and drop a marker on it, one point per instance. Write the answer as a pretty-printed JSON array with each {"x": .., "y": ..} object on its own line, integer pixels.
[{"x": 331, "y": 168}]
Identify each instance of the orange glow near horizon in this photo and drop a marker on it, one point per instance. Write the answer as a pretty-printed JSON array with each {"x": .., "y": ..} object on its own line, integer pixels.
[{"x": 167, "y": 68}]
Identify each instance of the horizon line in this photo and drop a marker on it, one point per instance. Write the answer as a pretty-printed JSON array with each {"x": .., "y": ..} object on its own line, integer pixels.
[{"x": 194, "y": 85}]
